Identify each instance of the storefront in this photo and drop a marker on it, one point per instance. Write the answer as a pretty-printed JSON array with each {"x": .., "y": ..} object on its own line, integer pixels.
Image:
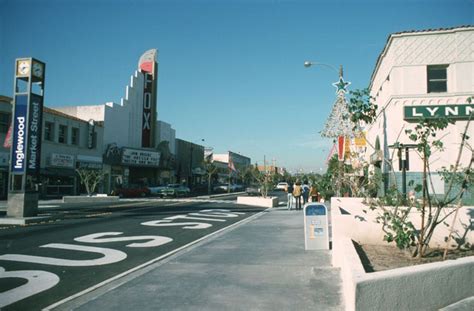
[
  {"x": 127, "y": 167},
  {"x": 58, "y": 178}
]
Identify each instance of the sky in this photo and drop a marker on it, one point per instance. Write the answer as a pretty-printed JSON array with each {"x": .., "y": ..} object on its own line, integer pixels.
[{"x": 230, "y": 72}]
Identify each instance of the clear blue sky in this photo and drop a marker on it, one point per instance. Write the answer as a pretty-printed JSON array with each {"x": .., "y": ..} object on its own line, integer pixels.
[{"x": 230, "y": 72}]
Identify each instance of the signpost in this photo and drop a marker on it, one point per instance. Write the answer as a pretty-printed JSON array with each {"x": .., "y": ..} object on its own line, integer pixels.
[{"x": 25, "y": 155}]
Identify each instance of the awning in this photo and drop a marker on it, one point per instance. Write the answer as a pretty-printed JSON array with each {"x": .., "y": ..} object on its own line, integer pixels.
[{"x": 52, "y": 171}]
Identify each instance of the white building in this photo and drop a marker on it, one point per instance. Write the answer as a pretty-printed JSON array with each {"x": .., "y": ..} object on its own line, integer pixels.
[
  {"x": 131, "y": 136},
  {"x": 166, "y": 133},
  {"x": 423, "y": 73}
]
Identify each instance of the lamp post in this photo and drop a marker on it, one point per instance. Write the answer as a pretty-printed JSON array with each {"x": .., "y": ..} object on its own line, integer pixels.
[{"x": 338, "y": 124}]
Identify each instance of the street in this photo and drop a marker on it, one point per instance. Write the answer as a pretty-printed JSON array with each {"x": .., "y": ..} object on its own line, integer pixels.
[{"x": 45, "y": 263}]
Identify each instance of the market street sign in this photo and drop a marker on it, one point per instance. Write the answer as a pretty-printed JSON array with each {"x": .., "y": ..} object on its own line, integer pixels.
[{"x": 453, "y": 112}]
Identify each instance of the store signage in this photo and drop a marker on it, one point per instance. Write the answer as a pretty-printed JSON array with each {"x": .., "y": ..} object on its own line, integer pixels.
[
  {"x": 19, "y": 134},
  {"x": 454, "y": 112},
  {"x": 140, "y": 157},
  {"x": 90, "y": 134},
  {"x": 88, "y": 162},
  {"x": 147, "y": 103},
  {"x": 147, "y": 66},
  {"x": 62, "y": 160},
  {"x": 34, "y": 133}
]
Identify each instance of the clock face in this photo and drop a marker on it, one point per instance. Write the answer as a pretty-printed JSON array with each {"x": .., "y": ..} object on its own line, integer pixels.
[
  {"x": 38, "y": 70},
  {"x": 23, "y": 67}
]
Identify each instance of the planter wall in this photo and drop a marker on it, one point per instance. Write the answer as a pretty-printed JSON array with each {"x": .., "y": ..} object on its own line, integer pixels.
[
  {"x": 423, "y": 287},
  {"x": 258, "y": 201},
  {"x": 86, "y": 199},
  {"x": 429, "y": 286}
]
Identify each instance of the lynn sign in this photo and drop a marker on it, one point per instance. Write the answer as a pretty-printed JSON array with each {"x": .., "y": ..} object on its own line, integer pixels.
[{"x": 454, "y": 112}]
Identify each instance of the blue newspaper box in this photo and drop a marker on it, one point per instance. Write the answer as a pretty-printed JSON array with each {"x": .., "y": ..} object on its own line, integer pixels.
[{"x": 316, "y": 233}]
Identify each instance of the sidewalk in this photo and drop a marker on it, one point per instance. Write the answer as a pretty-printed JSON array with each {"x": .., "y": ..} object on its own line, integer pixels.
[{"x": 260, "y": 265}]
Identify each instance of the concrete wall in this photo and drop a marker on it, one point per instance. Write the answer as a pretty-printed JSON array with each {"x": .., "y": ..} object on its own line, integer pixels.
[
  {"x": 362, "y": 227},
  {"x": 424, "y": 287}
]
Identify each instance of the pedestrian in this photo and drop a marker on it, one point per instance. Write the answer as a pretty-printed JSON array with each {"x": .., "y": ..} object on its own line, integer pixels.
[
  {"x": 289, "y": 191},
  {"x": 305, "y": 193},
  {"x": 313, "y": 193},
  {"x": 297, "y": 191}
]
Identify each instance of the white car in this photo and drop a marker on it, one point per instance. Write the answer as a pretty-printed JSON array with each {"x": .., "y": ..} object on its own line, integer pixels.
[{"x": 281, "y": 186}]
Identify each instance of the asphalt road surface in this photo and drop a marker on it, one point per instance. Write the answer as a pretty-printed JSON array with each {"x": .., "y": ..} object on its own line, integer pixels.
[{"x": 43, "y": 264}]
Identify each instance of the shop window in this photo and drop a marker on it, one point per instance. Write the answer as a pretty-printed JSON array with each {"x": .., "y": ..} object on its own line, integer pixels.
[
  {"x": 62, "y": 137},
  {"x": 75, "y": 136},
  {"x": 49, "y": 131},
  {"x": 437, "y": 78},
  {"x": 4, "y": 122}
]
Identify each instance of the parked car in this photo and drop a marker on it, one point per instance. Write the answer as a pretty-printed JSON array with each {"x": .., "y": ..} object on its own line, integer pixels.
[
  {"x": 225, "y": 187},
  {"x": 156, "y": 190},
  {"x": 131, "y": 191},
  {"x": 281, "y": 186},
  {"x": 175, "y": 190},
  {"x": 253, "y": 190},
  {"x": 221, "y": 188}
]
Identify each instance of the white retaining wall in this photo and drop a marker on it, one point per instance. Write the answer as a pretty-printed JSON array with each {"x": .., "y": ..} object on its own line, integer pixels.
[{"x": 422, "y": 287}]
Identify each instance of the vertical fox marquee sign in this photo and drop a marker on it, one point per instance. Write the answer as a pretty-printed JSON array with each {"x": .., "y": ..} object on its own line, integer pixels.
[
  {"x": 27, "y": 122},
  {"x": 149, "y": 68}
]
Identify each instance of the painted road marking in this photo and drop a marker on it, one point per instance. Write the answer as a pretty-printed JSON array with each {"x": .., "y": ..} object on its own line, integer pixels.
[
  {"x": 125, "y": 273},
  {"x": 111, "y": 256}
]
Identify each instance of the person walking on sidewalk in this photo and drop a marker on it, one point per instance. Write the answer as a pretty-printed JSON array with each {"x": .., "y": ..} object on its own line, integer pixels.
[
  {"x": 289, "y": 191},
  {"x": 313, "y": 193},
  {"x": 305, "y": 193},
  {"x": 297, "y": 191}
]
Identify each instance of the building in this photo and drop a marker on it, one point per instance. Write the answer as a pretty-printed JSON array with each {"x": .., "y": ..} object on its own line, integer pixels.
[
  {"x": 189, "y": 163},
  {"x": 68, "y": 143},
  {"x": 132, "y": 154},
  {"x": 421, "y": 74},
  {"x": 231, "y": 163}
]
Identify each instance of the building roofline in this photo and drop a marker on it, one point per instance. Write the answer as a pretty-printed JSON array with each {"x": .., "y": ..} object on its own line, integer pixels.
[
  {"x": 51, "y": 111},
  {"x": 413, "y": 33}
]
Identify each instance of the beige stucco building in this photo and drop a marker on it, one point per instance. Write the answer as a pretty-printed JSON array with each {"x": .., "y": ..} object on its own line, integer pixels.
[{"x": 422, "y": 74}]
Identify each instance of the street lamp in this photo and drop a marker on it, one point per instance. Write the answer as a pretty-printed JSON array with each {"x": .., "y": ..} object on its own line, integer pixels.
[
  {"x": 338, "y": 125},
  {"x": 308, "y": 64}
]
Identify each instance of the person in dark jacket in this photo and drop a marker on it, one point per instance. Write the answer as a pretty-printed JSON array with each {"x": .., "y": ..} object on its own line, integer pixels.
[
  {"x": 289, "y": 191},
  {"x": 305, "y": 193}
]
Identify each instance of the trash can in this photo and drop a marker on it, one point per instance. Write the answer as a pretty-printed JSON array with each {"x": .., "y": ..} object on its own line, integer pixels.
[{"x": 316, "y": 233}]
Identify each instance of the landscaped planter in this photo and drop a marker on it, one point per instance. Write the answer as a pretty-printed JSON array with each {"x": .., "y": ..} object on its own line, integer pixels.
[
  {"x": 428, "y": 286},
  {"x": 258, "y": 201}
]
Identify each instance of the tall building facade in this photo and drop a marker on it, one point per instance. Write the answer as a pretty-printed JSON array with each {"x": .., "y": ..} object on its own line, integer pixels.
[
  {"x": 131, "y": 135},
  {"x": 422, "y": 74}
]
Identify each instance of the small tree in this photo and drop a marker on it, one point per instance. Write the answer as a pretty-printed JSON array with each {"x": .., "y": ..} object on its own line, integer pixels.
[
  {"x": 211, "y": 169},
  {"x": 90, "y": 178},
  {"x": 393, "y": 214}
]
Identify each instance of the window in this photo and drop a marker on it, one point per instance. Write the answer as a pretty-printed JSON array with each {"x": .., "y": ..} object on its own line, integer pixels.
[
  {"x": 49, "y": 131},
  {"x": 62, "y": 137},
  {"x": 4, "y": 122},
  {"x": 437, "y": 78},
  {"x": 75, "y": 136}
]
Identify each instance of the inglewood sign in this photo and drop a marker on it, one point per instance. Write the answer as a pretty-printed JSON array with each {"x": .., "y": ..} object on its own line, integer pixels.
[{"x": 454, "y": 112}]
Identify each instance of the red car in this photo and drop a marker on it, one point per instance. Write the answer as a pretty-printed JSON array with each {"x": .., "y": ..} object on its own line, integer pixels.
[{"x": 132, "y": 191}]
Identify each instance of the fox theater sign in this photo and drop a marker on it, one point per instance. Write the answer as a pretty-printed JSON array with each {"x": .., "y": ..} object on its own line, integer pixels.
[{"x": 149, "y": 67}]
